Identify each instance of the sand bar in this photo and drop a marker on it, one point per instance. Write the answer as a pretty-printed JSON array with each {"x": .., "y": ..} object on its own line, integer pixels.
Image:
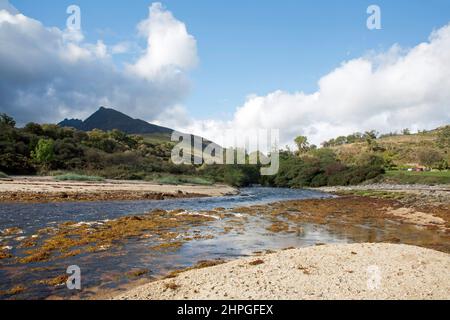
[
  {"x": 46, "y": 189},
  {"x": 353, "y": 271}
]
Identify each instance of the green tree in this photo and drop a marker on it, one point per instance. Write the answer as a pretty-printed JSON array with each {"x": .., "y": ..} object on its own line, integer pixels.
[
  {"x": 444, "y": 138},
  {"x": 7, "y": 120},
  {"x": 34, "y": 128},
  {"x": 429, "y": 157},
  {"x": 369, "y": 159},
  {"x": 443, "y": 165},
  {"x": 355, "y": 137},
  {"x": 341, "y": 140},
  {"x": 44, "y": 152},
  {"x": 302, "y": 144},
  {"x": 371, "y": 135}
]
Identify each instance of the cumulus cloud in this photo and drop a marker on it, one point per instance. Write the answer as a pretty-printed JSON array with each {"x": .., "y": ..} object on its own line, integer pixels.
[
  {"x": 48, "y": 74},
  {"x": 400, "y": 88},
  {"x": 5, "y": 5},
  {"x": 125, "y": 47},
  {"x": 169, "y": 45}
]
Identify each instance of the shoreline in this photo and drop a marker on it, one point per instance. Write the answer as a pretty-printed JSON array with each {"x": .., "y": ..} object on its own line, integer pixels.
[
  {"x": 403, "y": 218},
  {"x": 414, "y": 189},
  {"x": 46, "y": 189},
  {"x": 350, "y": 271},
  {"x": 382, "y": 204}
]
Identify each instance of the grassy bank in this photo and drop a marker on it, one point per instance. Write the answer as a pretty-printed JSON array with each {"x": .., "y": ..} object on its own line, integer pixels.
[
  {"x": 3, "y": 175},
  {"x": 177, "y": 180},
  {"x": 154, "y": 178},
  {"x": 77, "y": 177},
  {"x": 406, "y": 177}
]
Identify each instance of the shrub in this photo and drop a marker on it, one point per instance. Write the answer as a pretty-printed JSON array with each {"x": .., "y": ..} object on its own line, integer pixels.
[
  {"x": 319, "y": 180},
  {"x": 7, "y": 120},
  {"x": 173, "y": 180},
  {"x": 241, "y": 175},
  {"x": 44, "y": 152},
  {"x": 77, "y": 177},
  {"x": 3, "y": 175},
  {"x": 429, "y": 157},
  {"x": 444, "y": 138},
  {"x": 14, "y": 163}
]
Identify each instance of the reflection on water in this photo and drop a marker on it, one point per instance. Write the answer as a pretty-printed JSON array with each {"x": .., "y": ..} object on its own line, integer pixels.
[
  {"x": 35, "y": 216},
  {"x": 241, "y": 235}
]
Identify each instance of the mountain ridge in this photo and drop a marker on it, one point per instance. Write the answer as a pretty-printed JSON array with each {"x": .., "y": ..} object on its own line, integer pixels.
[{"x": 108, "y": 119}]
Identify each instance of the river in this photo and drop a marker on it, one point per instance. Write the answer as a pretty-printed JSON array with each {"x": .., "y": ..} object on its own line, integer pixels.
[{"x": 107, "y": 272}]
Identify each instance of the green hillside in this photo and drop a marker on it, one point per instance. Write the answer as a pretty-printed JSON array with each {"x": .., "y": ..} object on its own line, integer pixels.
[
  {"x": 405, "y": 177},
  {"x": 425, "y": 149},
  {"x": 70, "y": 153}
]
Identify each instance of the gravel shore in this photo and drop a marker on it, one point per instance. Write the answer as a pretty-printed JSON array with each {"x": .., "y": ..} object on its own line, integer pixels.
[
  {"x": 46, "y": 189},
  {"x": 391, "y": 187},
  {"x": 353, "y": 271},
  {"x": 425, "y": 191}
]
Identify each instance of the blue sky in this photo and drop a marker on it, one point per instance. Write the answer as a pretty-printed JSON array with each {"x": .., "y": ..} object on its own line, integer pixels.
[
  {"x": 257, "y": 46},
  {"x": 206, "y": 66}
]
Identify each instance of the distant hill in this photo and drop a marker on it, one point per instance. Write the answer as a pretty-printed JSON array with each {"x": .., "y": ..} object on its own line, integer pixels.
[
  {"x": 109, "y": 119},
  {"x": 403, "y": 149},
  {"x": 106, "y": 119}
]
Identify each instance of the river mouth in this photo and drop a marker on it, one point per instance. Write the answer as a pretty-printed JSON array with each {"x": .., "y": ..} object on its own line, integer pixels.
[{"x": 162, "y": 236}]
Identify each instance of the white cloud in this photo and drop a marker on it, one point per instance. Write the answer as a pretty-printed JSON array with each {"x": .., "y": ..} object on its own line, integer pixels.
[
  {"x": 48, "y": 74},
  {"x": 170, "y": 48},
  {"x": 5, "y": 5},
  {"x": 72, "y": 35},
  {"x": 388, "y": 91},
  {"x": 121, "y": 47}
]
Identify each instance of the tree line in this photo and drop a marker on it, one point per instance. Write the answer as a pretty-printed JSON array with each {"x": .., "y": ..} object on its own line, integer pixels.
[{"x": 42, "y": 149}]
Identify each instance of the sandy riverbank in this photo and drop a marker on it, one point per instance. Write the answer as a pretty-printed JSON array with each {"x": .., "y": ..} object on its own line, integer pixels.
[
  {"x": 46, "y": 189},
  {"x": 355, "y": 271},
  {"x": 435, "y": 191}
]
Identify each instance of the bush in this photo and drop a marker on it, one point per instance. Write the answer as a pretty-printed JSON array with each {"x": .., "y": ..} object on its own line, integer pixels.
[
  {"x": 405, "y": 177},
  {"x": 429, "y": 157},
  {"x": 173, "y": 180},
  {"x": 241, "y": 175},
  {"x": 321, "y": 168},
  {"x": 77, "y": 177},
  {"x": 319, "y": 180},
  {"x": 44, "y": 152},
  {"x": 234, "y": 177},
  {"x": 3, "y": 175},
  {"x": 116, "y": 155}
]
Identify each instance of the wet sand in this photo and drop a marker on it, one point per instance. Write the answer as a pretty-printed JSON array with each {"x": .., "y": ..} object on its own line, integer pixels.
[
  {"x": 426, "y": 194},
  {"x": 46, "y": 189},
  {"x": 355, "y": 271},
  {"x": 334, "y": 271},
  {"x": 361, "y": 216}
]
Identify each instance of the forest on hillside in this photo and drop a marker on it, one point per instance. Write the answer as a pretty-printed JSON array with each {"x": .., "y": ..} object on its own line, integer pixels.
[{"x": 52, "y": 150}]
